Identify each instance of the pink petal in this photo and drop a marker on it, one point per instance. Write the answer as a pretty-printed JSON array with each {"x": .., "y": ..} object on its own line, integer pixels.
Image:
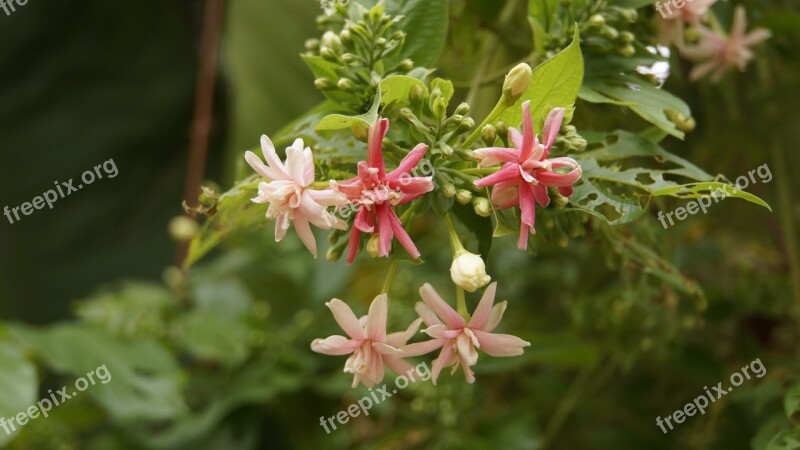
[
  {"x": 493, "y": 155},
  {"x": 375, "y": 150},
  {"x": 400, "y": 234},
  {"x": 566, "y": 191},
  {"x": 509, "y": 172},
  {"x": 272, "y": 157},
  {"x": 505, "y": 195},
  {"x": 559, "y": 179},
  {"x": 422, "y": 348},
  {"x": 384, "y": 349},
  {"x": 412, "y": 188},
  {"x": 497, "y": 315},
  {"x": 352, "y": 245},
  {"x": 528, "y": 136},
  {"x": 551, "y": 126},
  {"x": 427, "y": 314},
  {"x": 375, "y": 370},
  {"x": 400, "y": 338},
  {"x": 541, "y": 195},
  {"x": 522, "y": 241},
  {"x": 446, "y": 358},
  {"x": 448, "y": 315},
  {"x": 756, "y": 37},
  {"x": 364, "y": 220},
  {"x": 346, "y": 319},
  {"x": 482, "y": 313},
  {"x": 327, "y": 197},
  {"x": 526, "y": 205},
  {"x": 335, "y": 345},
  {"x": 441, "y": 332},
  {"x": 397, "y": 365},
  {"x": 281, "y": 226},
  {"x": 515, "y": 137},
  {"x": 376, "y": 318},
  {"x": 303, "y": 230},
  {"x": 500, "y": 344},
  {"x": 261, "y": 169},
  {"x": 385, "y": 234},
  {"x": 409, "y": 162}
]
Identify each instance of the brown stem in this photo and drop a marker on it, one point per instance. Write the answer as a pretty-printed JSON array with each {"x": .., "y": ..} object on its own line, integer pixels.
[{"x": 203, "y": 107}]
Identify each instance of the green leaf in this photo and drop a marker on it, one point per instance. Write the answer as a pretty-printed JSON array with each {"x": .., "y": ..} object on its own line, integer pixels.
[
  {"x": 326, "y": 69},
  {"x": 446, "y": 86},
  {"x": 791, "y": 403},
  {"x": 18, "y": 383},
  {"x": 340, "y": 121},
  {"x": 397, "y": 88},
  {"x": 554, "y": 83},
  {"x": 542, "y": 11},
  {"x": 649, "y": 102},
  {"x": 714, "y": 189},
  {"x": 144, "y": 375}
]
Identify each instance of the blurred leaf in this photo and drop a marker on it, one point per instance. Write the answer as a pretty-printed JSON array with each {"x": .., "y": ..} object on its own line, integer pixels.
[
  {"x": 18, "y": 384},
  {"x": 397, "y": 88},
  {"x": 705, "y": 189},
  {"x": 339, "y": 121}
]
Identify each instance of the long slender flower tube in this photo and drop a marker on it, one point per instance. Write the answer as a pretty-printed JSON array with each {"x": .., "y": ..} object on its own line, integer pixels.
[
  {"x": 288, "y": 193},
  {"x": 368, "y": 344},
  {"x": 459, "y": 339},
  {"x": 377, "y": 192},
  {"x": 526, "y": 171}
]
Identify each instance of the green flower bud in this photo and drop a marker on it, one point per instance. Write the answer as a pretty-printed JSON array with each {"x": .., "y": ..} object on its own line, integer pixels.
[
  {"x": 489, "y": 134},
  {"x": 579, "y": 143},
  {"x": 407, "y": 114},
  {"x": 380, "y": 42},
  {"x": 322, "y": 84},
  {"x": 482, "y": 206},
  {"x": 626, "y": 37},
  {"x": 449, "y": 190},
  {"x": 559, "y": 200},
  {"x": 360, "y": 131},
  {"x": 463, "y": 196},
  {"x": 312, "y": 44},
  {"x": 502, "y": 129},
  {"x": 406, "y": 65},
  {"x": 328, "y": 54},
  {"x": 467, "y": 124},
  {"x": 462, "y": 109},
  {"x": 183, "y": 228},
  {"x": 627, "y": 51},
  {"x": 334, "y": 253},
  {"x": 516, "y": 83},
  {"x": 345, "y": 36},
  {"x": 439, "y": 107},
  {"x": 376, "y": 13},
  {"x": 609, "y": 32},
  {"x": 597, "y": 21},
  {"x": 348, "y": 58},
  {"x": 416, "y": 96},
  {"x": 447, "y": 151},
  {"x": 373, "y": 246},
  {"x": 629, "y": 14},
  {"x": 331, "y": 39},
  {"x": 334, "y": 236},
  {"x": 344, "y": 84}
]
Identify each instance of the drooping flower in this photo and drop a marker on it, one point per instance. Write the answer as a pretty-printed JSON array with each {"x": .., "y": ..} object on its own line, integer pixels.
[
  {"x": 468, "y": 271},
  {"x": 526, "y": 171},
  {"x": 718, "y": 53},
  {"x": 460, "y": 340},
  {"x": 368, "y": 344},
  {"x": 673, "y": 21},
  {"x": 377, "y": 193},
  {"x": 288, "y": 193}
]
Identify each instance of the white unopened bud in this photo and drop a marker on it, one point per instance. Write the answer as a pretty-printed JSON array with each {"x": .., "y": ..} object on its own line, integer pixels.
[
  {"x": 517, "y": 81},
  {"x": 468, "y": 271}
]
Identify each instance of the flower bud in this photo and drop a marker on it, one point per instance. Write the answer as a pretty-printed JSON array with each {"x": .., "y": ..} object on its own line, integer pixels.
[
  {"x": 597, "y": 21},
  {"x": 380, "y": 42},
  {"x": 467, "y": 124},
  {"x": 462, "y": 109},
  {"x": 439, "y": 107},
  {"x": 328, "y": 53},
  {"x": 489, "y": 134},
  {"x": 376, "y": 12},
  {"x": 559, "y": 200},
  {"x": 360, "y": 131},
  {"x": 609, "y": 32},
  {"x": 312, "y": 44},
  {"x": 627, "y": 51},
  {"x": 468, "y": 271},
  {"x": 334, "y": 253},
  {"x": 482, "y": 206},
  {"x": 463, "y": 196},
  {"x": 447, "y": 151},
  {"x": 416, "y": 96},
  {"x": 626, "y": 37},
  {"x": 345, "y": 36},
  {"x": 344, "y": 84},
  {"x": 502, "y": 129},
  {"x": 322, "y": 84},
  {"x": 332, "y": 40},
  {"x": 405, "y": 65},
  {"x": 348, "y": 58},
  {"x": 449, "y": 190},
  {"x": 516, "y": 82},
  {"x": 373, "y": 246},
  {"x": 182, "y": 228}
]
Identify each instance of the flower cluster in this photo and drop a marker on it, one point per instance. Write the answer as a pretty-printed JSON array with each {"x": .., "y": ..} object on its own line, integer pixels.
[{"x": 371, "y": 348}]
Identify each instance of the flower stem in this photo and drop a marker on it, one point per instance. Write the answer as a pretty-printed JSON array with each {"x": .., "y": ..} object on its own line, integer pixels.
[
  {"x": 461, "y": 303},
  {"x": 498, "y": 109},
  {"x": 390, "y": 276},
  {"x": 455, "y": 241}
]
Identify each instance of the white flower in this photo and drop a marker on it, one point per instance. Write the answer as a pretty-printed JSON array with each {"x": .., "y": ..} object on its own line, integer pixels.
[{"x": 469, "y": 271}]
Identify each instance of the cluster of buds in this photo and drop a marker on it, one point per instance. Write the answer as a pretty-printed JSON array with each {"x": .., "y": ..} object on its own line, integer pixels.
[
  {"x": 355, "y": 49},
  {"x": 608, "y": 30}
]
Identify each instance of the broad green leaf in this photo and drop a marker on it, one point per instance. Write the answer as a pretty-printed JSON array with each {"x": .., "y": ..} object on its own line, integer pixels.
[
  {"x": 640, "y": 96},
  {"x": 326, "y": 69},
  {"x": 18, "y": 384},
  {"x": 446, "y": 86},
  {"x": 714, "y": 189},
  {"x": 397, "y": 88},
  {"x": 554, "y": 83},
  {"x": 543, "y": 12},
  {"x": 144, "y": 375},
  {"x": 340, "y": 121},
  {"x": 791, "y": 403}
]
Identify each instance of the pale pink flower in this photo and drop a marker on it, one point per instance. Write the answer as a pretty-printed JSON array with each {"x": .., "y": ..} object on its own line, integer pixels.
[
  {"x": 460, "y": 340},
  {"x": 718, "y": 53},
  {"x": 673, "y": 20},
  {"x": 527, "y": 172},
  {"x": 377, "y": 193},
  {"x": 288, "y": 193},
  {"x": 368, "y": 344}
]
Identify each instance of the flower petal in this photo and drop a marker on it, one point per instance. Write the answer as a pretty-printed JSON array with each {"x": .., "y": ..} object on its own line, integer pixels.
[
  {"x": 346, "y": 319},
  {"x": 528, "y": 136},
  {"x": 303, "y": 230},
  {"x": 509, "y": 172},
  {"x": 446, "y": 313},
  {"x": 272, "y": 157},
  {"x": 551, "y": 127},
  {"x": 482, "y": 313},
  {"x": 493, "y": 155},
  {"x": 352, "y": 245},
  {"x": 505, "y": 195},
  {"x": 376, "y": 318},
  {"x": 400, "y": 338},
  {"x": 427, "y": 315},
  {"x": 400, "y": 234},
  {"x": 446, "y": 358},
  {"x": 409, "y": 162},
  {"x": 500, "y": 344},
  {"x": 385, "y": 234},
  {"x": 497, "y": 315},
  {"x": 334, "y": 345},
  {"x": 375, "y": 146}
]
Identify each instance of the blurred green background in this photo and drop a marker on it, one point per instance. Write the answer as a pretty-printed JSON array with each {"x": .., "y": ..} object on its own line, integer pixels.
[{"x": 82, "y": 82}]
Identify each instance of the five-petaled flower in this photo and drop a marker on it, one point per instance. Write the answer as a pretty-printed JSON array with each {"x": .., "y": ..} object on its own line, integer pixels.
[
  {"x": 718, "y": 53},
  {"x": 377, "y": 193},
  {"x": 459, "y": 339},
  {"x": 369, "y": 346},
  {"x": 526, "y": 171},
  {"x": 289, "y": 195}
]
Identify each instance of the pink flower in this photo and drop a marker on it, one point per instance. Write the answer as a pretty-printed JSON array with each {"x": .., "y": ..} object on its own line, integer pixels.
[
  {"x": 672, "y": 25},
  {"x": 288, "y": 193},
  {"x": 369, "y": 345},
  {"x": 719, "y": 52},
  {"x": 527, "y": 172},
  {"x": 377, "y": 193},
  {"x": 460, "y": 340}
]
